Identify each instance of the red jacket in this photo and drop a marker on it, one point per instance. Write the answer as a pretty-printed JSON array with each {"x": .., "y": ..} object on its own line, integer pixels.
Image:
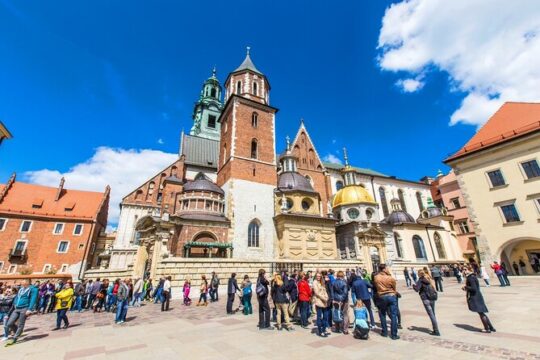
[{"x": 304, "y": 291}]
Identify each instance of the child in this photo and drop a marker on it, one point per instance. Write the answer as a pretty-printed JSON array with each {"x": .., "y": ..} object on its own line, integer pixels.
[
  {"x": 361, "y": 327},
  {"x": 186, "y": 290}
]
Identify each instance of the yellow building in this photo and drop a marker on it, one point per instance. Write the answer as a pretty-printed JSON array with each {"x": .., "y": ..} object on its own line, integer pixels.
[
  {"x": 498, "y": 171},
  {"x": 303, "y": 232},
  {"x": 4, "y": 133}
]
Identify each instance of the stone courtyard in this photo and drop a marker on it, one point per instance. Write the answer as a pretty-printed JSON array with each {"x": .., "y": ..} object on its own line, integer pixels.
[{"x": 208, "y": 333}]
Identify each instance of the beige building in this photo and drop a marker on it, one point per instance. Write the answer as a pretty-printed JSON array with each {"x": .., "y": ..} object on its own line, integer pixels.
[
  {"x": 4, "y": 133},
  {"x": 499, "y": 174}
]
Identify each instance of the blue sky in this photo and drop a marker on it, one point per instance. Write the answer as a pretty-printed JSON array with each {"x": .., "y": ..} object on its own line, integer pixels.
[{"x": 79, "y": 76}]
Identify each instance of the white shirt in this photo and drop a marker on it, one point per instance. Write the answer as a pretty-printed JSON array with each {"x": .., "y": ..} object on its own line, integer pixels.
[{"x": 167, "y": 285}]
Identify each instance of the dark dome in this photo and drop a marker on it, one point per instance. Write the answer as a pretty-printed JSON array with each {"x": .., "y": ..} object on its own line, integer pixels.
[
  {"x": 202, "y": 183},
  {"x": 294, "y": 181},
  {"x": 399, "y": 217}
]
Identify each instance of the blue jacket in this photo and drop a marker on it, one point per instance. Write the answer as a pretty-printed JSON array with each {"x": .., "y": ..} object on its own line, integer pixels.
[
  {"x": 26, "y": 298},
  {"x": 361, "y": 287},
  {"x": 339, "y": 290}
]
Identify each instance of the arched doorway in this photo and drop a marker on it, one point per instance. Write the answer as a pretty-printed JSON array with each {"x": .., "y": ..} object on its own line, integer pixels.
[
  {"x": 521, "y": 256},
  {"x": 375, "y": 257}
]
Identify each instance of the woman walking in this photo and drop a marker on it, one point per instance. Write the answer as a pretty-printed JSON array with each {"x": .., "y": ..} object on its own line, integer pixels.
[
  {"x": 426, "y": 289},
  {"x": 304, "y": 298},
  {"x": 484, "y": 275},
  {"x": 281, "y": 301},
  {"x": 64, "y": 299},
  {"x": 320, "y": 299},
  {"x": 204, "y": 291},
  {"x": 475, "y": 300},
  {"x": 246, "y": 295}
]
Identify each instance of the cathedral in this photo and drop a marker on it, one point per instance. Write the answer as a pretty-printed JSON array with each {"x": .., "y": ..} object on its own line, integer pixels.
[{"x": 232, "y": 198}]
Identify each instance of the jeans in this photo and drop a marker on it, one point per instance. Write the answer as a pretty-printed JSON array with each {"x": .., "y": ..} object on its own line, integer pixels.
[
  {"x": 202, "y": 298},
  {"x": 121, "y": 310},
  {"x": 388, "y": 305},
  {"x": 429, "y": 305},
  {"x": 3, "y": 320},
  {"x": 91, "y": 299},
  {"x": 264, "y": 311},
  {"x": 43, "y": 303},
  {"x": 367, "y": 304},
  {"x": 505, "y": 277},
  {"x": 304, "y": 309},
  {"x": 77, "y": 305},
  {"x": 438, "y": 283},
  {"x": 322, "y": 319},
  {"x": 212, "y": 293},
  {"x": 111, "y": 300},
  {"x": 20, "y": 316},
  {"x": 246, "y": 301},
  {"x": 230, "y": 301},
  {"x": 486, "y": 281},
  {"x": 158, "y": 296},
  {"x": 136, "y": 299},
  {"x": 61, "y": 316},
  {"x": 501, "y": 279},
  {"x": 408, "y": 281}
]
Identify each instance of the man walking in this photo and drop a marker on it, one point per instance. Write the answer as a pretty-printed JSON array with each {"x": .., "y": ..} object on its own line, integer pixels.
[
  {"x": 232, "y": 288},
  {"x": 386, "y": 290},
  {"x": 137, "y": 290},
  {"x": 166, "y": 294},
  {"x": 214, "y": 287},
  {"x": 24, "y": 303},
  {"x": 122, "y": 302},
  {"x": 436, "y": 274},
  {"x": 407, "y": 276}
]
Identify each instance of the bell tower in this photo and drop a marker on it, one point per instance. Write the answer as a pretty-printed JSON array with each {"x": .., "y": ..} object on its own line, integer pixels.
[
  {"x": 207, "y": 110},
  {"x": 247, "y": 161}
]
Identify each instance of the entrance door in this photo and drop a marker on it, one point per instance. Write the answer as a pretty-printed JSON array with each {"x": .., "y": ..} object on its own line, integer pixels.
[{"x": 375, "y": 257}]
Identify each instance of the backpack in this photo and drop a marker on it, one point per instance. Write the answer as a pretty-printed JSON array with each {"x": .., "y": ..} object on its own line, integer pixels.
[
  {"x": 261, "y": 289},
  {"x": 246, "y": 290},
  {"x": 431, "y": 293}
]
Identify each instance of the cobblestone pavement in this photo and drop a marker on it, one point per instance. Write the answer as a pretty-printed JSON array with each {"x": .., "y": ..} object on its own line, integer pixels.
[{"x": 207, "y": 333}]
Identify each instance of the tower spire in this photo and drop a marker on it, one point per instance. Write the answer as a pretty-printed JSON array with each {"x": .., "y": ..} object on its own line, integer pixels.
[
  {"x": 345, "y": 157},
  {"x": 288, "y": 140},
  {"x": 247, "y": 50}
]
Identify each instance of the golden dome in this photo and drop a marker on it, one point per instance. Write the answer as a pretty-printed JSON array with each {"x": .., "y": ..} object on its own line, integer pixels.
[{"x": 352, "y": 194}]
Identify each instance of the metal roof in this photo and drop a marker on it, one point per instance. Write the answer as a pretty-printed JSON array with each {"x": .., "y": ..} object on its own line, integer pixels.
[
  {"x": 247, "y": 64},
  {"x": 335, "y": 166},
  {"x": 200, "y": 151}
]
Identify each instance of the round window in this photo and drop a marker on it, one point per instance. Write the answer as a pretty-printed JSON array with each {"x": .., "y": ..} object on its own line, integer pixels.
[
  {"x": 288, "y": 204},
  {"x": 369, "y": 214},
  {"x": 306, "y": 204},
  {"x": 353, "y": 213}
]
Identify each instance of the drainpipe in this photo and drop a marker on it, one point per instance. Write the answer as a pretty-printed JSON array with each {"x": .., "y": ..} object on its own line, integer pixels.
[{"x": 430, "y": 245}]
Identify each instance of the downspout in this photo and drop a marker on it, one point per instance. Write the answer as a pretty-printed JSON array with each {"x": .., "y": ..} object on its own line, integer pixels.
[{"x": 430, "y": 245}]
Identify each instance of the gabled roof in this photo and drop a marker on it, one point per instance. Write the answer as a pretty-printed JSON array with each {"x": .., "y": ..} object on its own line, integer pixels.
[
  {"x": 4, "y": 132},
  {"x": 512, "y": 120},
  {"x": 37, "y": 200},
  {"x": 296, "y": 140},
  {"x": 200, "y": 151}
]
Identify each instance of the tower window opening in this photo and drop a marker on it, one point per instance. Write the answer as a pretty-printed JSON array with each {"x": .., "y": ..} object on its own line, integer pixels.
[
  {"x": 213, "y": 92},
  {"x": 254, "y": 119},
  {"x": 212, "y": 121},
  {"x": 255, "y": 89},
  {"x": 238, "y": 87},
  {"x": 253, "y": 149}
]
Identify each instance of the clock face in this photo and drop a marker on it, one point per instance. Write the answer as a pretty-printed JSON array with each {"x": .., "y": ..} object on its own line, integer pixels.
[{"x": 353, "y": 213}]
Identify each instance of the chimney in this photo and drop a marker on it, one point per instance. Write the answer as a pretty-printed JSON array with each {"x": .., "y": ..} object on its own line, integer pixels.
[
  {"x": 60, "y": 189},
  {"x": 8, "y": 185}
]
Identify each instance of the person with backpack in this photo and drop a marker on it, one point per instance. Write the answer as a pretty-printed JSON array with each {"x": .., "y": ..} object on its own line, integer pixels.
[
  {"x": 425, "y": 287},
  {"x": 361, "y": 327},
  {"x": 261, "y": 290},
  {"x": 246, "y": 295},
  {"x": 340, "y": 303}
]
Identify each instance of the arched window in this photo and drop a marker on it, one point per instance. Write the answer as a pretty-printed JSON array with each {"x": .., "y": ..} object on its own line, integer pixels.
[
  {"x": 398, "y": 244},
  {"x": 384, "y": 203},
  {"x": 253, "y": 234},
  {"x": 419, "y": 249},
  {"x": 238, "y": 87},
  {"x": 255, "y": 89},
  {"x": 419, "y": 199},
  {"x": 339, "y": 185},
  {"x": 402, "y": 200},
  {"x": 439, "y": 246},
  {"x": 254, "y": 119},
  {"x": 213, "y": 92},
  {"x": 254, "y": 149}
]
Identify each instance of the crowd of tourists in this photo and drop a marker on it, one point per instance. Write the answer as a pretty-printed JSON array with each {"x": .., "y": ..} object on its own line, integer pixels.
[{"x": 333, "y": 301}]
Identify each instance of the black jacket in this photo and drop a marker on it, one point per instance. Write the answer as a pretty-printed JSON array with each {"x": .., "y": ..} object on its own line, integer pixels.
[
  {"x": 421, "y": 287},
  {"x": 292, "y": 289},
  {"x": 6, "y": 303},
  {"x": 475, "y": 300},
  {"x": 232, "y": 286},
  {"x": 262, "y": 280},
  {"x": 279, "y": 294}
]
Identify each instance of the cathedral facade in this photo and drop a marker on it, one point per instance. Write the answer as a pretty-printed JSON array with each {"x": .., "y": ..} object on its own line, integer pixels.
[{"x": 230, "y": 196}]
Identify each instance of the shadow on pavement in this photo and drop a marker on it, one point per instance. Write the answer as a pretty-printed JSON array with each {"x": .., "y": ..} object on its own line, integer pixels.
[
  {"x": 468, "y": 327},
  {"x": 419, "y": 329}
]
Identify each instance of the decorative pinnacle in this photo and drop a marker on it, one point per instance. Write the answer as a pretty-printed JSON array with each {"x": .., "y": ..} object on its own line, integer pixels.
[
  {"x": 345, "y": 157},
  {"x": 247, "y": 50},
  {"x": 288, "y": 139},
  {"x": 214, "y": 71}
]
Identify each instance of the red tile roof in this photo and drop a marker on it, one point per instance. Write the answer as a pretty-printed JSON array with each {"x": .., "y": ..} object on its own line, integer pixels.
[
  {"x": 513, "y": 119},
  {"x": 24, "y": 199}
]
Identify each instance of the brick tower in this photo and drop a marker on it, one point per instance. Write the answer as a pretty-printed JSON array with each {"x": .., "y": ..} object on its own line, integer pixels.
[{"x": 247, "y": 161}]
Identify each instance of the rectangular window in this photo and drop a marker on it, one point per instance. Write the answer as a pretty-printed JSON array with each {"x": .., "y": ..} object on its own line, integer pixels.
[
  {"x": 64, "y": 268},
  {"x": 26, "y": 225},
  {"x": 463, "y": 226},
  {"x": 77, "y": 230},
  {"x": 3, "y": 223},
  {"x": 1, "y": 265},
  {"x": 12, "y": 269},
  {"x": 531, "y": 169},
  {"x": 455, "y": 203},
  {"x": 510, "y": 213},
  {"x": 496, "y": 178},
  {"x": 20, "y": 246},
  {"x": 58, "y": 229},
  {"x": 47, "y": 268},
  {"x": 63, "y": 247},
  {"x": 212, "y": 121}
]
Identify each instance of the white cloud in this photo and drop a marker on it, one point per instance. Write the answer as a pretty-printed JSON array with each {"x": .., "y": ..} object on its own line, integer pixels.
[
  {"x": 332, "y": 159},
  {"x": 123, "y": 170},
  {"x": 490, "y": 49},
  {"x": 409, "y": 85}
]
